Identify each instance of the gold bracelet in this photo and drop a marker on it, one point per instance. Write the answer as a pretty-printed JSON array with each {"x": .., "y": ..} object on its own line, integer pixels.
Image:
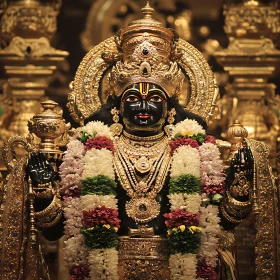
[
  {"x": 237, "y": 204},
  {"x": 236, "y": 212},
  {"x": 228, "y": 217},
  {"x": 50, "y": 217},
  {"x": 42, "y": 187},
  {"x": 48, "y": 193},
  {"x": 56, "y": 203},
  {"x": 52, "y": 223}
]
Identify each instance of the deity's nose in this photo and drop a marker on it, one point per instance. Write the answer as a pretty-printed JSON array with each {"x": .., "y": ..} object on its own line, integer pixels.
[{"x": 144, "y": 105}]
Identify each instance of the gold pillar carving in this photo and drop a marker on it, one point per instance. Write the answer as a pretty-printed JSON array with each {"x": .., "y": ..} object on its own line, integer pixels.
[
  {"x": 251, "y": 59},
  {"x": 28, "y": 59}
]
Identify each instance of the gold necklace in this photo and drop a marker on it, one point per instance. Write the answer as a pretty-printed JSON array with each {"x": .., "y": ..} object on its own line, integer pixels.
[
  {"x": 143, "y": 138},
  {"x": 142, "y": 171}
]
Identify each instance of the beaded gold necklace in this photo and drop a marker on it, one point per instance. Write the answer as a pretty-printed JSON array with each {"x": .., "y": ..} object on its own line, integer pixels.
[{"x": 142, "y": 164}]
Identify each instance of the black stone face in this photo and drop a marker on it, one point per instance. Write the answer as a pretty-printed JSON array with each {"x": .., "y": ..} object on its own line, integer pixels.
[{"x": 143, "y": 105}]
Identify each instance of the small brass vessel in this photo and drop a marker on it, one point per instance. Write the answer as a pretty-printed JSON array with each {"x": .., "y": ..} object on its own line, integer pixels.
[{"x": 49, "y": 126}]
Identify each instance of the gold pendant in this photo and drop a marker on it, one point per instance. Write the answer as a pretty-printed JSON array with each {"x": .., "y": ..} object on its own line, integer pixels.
[
  {"x": 142, "y": 209},
  {"x": 143, "y": 165}
]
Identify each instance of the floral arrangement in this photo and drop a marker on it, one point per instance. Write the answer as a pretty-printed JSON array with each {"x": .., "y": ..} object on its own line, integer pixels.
[
  {"x": 90, "y": 206},
  {"x": 196, "y": 187}
]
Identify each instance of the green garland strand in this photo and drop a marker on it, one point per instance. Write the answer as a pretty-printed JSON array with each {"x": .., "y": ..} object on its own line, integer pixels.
[
  {"x": 99, "y": 185},
  {"x": 100, "y": 237},
  {"x": 188, "y": 184},
  {"x": 184, "y": 242}
]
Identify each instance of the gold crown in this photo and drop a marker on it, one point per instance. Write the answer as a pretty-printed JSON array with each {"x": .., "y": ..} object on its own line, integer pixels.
[
  {"x": 143, "y": 51},
  {"x": 148, "y": 55}
]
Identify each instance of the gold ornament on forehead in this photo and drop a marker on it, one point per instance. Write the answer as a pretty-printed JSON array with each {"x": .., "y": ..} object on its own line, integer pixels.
[{"x": 145, "y": 51}]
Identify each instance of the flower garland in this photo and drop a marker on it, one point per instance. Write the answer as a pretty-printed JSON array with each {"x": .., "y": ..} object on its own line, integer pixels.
[
  {"x": 90, "y": 206},
  {"x": 196, "y": 187}
]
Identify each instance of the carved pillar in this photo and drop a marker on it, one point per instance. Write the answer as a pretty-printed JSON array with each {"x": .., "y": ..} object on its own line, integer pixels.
[
  {"x": 29, "y": 60},
  {"x": 251, "y": 59}
]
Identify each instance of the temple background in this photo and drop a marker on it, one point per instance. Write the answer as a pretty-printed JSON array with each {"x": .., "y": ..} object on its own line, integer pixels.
[{"x": 84, "y": 23}]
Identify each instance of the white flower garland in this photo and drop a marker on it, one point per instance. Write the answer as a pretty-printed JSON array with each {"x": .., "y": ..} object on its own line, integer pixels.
[
  {"x": 98, "y": 162},
  {"x": 78, "y": 165},
  {"x": 188, "y": 127},
  {"x": 190, "y": 202},
  {"x": 203, "y": 163},
  {"x": 183, "y": 266},
  {"x": 185, "y": 158}
]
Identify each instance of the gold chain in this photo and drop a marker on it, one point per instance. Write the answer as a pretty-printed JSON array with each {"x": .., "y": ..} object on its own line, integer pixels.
[
  {"x": 143, "y": 139},
  {"x": 142, "y": 171}
]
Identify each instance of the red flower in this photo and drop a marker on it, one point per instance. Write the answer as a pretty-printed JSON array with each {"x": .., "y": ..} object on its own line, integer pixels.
[
  {"x": 213, "y": 189},
  {"x": 79, "y": 272},
  {"x": 101, "y": 216},
  {"x": 205, "y": 271},
  {"x": 180, "y": 217},
  {"x": 210, "y": 139},
  {"x": 174, "y": 144},
  {"x": 99, "y": 142}
]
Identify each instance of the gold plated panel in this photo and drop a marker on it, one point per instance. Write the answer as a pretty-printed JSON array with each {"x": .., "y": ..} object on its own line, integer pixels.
[{"x": 143, "y": 258}]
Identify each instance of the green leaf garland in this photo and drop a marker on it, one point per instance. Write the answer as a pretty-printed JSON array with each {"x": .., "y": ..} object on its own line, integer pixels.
[
  {"x": 184, "y": 242},
  {"x": 100, "y": 237},
  {"x": 187, "y": 183},
  {"x": 99, "y": 185}
]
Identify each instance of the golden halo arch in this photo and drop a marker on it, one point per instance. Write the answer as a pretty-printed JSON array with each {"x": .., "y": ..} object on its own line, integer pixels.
[{"x": 84, "y": 98}]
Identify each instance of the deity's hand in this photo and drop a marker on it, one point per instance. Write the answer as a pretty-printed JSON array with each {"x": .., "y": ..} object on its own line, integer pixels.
[
  {"x": 241, "y": 173},
  {"x": 39, "y": 169}
]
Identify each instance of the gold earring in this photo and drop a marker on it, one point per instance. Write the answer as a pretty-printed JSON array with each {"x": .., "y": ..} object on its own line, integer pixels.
[
  {"x": 116, "y": 127},
  {"x": 169, "y": 129}
]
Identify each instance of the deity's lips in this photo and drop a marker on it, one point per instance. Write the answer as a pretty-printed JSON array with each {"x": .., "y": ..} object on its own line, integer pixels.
[{"x": 143, "y": 116}]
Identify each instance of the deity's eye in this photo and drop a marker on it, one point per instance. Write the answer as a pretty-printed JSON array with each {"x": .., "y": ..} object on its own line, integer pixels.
[
  {"x": 131, "y": 98},
  {"x": 155, "y": 98}
]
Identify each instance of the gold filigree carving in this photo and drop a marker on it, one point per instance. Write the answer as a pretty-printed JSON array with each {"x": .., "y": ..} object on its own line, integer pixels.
[
  {"x": 31, "y": 21},
  {"x": 9, "y": 154},
  {"x": 84, "y": 99},
  {"x": 143, "y": 258},
  {"x": 23, "y": 47},
  {"x": 267, "y": 238},
  {"x": 248, "y": 20}
]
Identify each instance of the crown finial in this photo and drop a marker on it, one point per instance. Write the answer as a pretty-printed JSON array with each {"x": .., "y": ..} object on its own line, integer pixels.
[{"x": 147, "y": 11}]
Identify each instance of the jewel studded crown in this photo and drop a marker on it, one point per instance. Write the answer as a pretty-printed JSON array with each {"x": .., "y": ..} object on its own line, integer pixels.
[{"x": 148, "y": 55}]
